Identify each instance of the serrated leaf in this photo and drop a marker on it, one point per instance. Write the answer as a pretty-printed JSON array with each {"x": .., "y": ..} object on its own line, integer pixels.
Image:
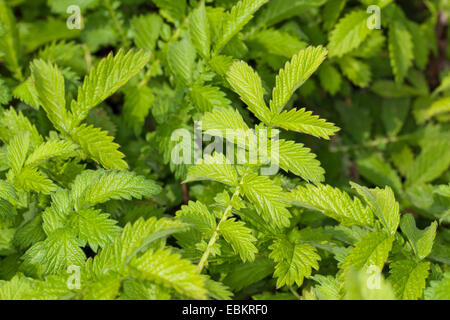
[
  {"x": 215, "y": 168},
  {"x": 330, "y": 78},
  {"x": 207, "y": 97},
  {"x": 294, "y": 261},
  {"x": 59, "y": 251},
  {"x": 383, "y": 204},
  {"x": 267, "y": 198},
  {"x": 348, "y": 33},
  {"x": 240, "y": 238},
  {"x": 200, "y": 30},
  {"x": 106, "y": 78},
  {"x": 300, "y": 160},
  {"x": 439, "y": 290},
  {"x": 50, "y": 149},
  {"x": 408, "y": 278},
  {"x": 99, "y": 146},
  {"x": 357, "y": 71},
  {"x": 49, "y": 83},
  {"x": 400, "y": 50},
  {"x": 371, "y": 250},
  {"x": 430, "y": 164},
  {"x": 421, "y": 240},
  {"x": 118, "y": 185},
  {"x": 333, "y": 203},
  {"x": 303, "y": 121},
  {"x": 181, "y": 59},
  {"x": 235, "y": 20},
  {"x": 17, "y": 151},
  {"x": 247, "y": 83},
  {"x": 31, "y": 179},
  {"x": 146, "y": 30},
  {"x": 170, "y": 270}
]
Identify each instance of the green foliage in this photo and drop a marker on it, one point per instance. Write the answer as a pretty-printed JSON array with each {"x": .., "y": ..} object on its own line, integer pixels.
[{"x": 333, "y": 184}]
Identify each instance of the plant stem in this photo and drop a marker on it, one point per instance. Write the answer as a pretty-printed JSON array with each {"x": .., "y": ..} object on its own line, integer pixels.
[{"x": 215, "y": 235}]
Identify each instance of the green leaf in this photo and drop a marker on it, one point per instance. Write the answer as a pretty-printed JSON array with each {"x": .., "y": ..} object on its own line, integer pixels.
[
  {"x": 348, "y": 33},
  {"x": 408, "y": 278},
  {"x": 330, "y": 78},
  {"x": 294, "y": 74},
  {"x": 334, "y": 203},
  {"x": 247, "y": 83},
  {"x": 50, "y": 149},
  {"x": 59, "y": 251},
  {"x": 276, "y": 42},
  {"x": 400, "y": 50},
  {"x": 138, "y": 102},
  {"x": 430, "y": 164},
  {"x": 31, "y": 179},
  {"x": 172, "y": 10},
  {"x": 378, "y": 171},
  {"x": 421, "y": 240},
  {"x": 99, "y": 146},
  {"x": 105, "y": 79},
  {"x": 303, "y": 121},
  {"x": 439, "y": 290},
  {"x": 294, "y": 261},
  {"x": 9, "y": 40},
  {"x": 146, "y": 29},
  {"x": 200, "y": 30},
  {"x": 267, "y": 197},
  {"x": 14, "y": 123},
  {"x": 207, "y": 97},
  {"x": 215, "y": 168},
  {"x": 372, "y": 250},
  {"x": 356, "y": 286},
  {"x": 357, "y": 71},
  {"x": 49, "y": 83},
  {"x": 95, "y": 228},
  {"x": 223, "y": 119},
  {"x": 383, "y": 204},
  {"x": 181, "y": 59},
  {"x": 197, "y": 215},
  {"x": 17, "y": 151},
  {"x": 240, "y": 238},
  {"x": 235, "y": 20},
  {"x": 117, "y": 185},
  {"x": 170, "y": 270},
  {"x": 300, "y": 160},
  {"x": 7, "y": 190}
]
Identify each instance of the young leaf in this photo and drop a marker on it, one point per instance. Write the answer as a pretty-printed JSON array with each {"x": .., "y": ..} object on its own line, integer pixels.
[
  {"x": 348, "y": 33},
  {"x": 99, "y": 146},
  {"x": 408, "y": 278},
  {"x": 247, "y": 83},
  {"x": 383, "y": 204},
  {"x": 240, "y": 238},
  {"x": 294, "y": 261},
  {"x": 303, "y": 121},
  {"x": 421, "y": 240},
  {"x": 199, "y": 30},
  {"x": 294, "y": 74},
  {"x": 333, "y": 203},
  {"x": 371, "y": 250},
  {"x": 400, "y": 50},
  {"x": 49, "y": 83},
  {"x": 235, "y": 20},
  {"x": 214, "y": 168},
  {"x": 106, "y": 78},
  {"x": 267, "y": 198}
]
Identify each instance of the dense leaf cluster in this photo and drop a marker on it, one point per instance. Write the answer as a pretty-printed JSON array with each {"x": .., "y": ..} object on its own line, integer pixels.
[{"x": 92, "y": 205}]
